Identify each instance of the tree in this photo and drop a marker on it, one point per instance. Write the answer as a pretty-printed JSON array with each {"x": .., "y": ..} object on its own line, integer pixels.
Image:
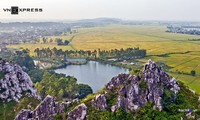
[
  {"x": 51, "y": 40},
  {"x": 44, "y": 40},
  {"x": 193, "y": 72},
  {"x": 84, "y": 90},
  {"x": 24, "y": 60},
  {"x": 26, "y": 103},
  {"x": 66, "y": 42},
  {"x": 60, "y": 94},
  {"x": 59, "y": 41},
  {"x": 37, "y": 51}
]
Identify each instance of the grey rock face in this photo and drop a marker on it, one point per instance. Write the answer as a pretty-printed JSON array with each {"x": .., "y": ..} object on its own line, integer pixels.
[
  {"x": 130, "y": 91},
  {"x": 99, "y": 102},
  {"x": 78, "y": 113},
  {"x": 135, "y": 91},
  {"x": 15, "y": 82},
  {"x": 46, "y": 110}
]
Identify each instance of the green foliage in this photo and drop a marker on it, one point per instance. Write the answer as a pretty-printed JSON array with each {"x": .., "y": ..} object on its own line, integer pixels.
[
  {"x": 58, "y": 117},
  {"x": 84, "y": 90},
  {"x": 61, "y": 87},
  {"x": 123, "y": 54},
  {"x": 2, "y": 75},
  {"x": 36, "y": 74},
  {"x": 193, "y": 72},
  {"x": 24, "y": 60},
  {"x": 26, "y": 103},
  {"x": 7, "y": 110},
  {"x": 120, "y": 114},
  {"x": 171, "y": 102},
  {"x": 143, "y": 84},
  {"x": 88, "y": 98},
  {"x": 111, "y": 98},
  {"x": 147, "y": 113},
  {"x": 135, "y": 72},
  {"x": 57, "y": 87}
]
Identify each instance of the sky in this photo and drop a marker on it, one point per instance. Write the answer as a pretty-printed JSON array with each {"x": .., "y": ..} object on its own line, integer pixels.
[{"x": 167, "y": 10}]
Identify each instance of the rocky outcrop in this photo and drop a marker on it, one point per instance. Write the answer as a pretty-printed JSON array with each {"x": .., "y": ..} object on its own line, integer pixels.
[
  {"x": 15, "y": 82},
  {"x": 99, "y": 102},
  {"x": 126, "y": 91},
  {"x": 46, "y": 110},
  {"x": 78, "y": 113},
  {"x": 134, "y": 91}
]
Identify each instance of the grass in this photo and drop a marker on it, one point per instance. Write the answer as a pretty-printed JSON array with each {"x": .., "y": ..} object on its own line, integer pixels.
[
  {"x": 190, "y": 81},
  {"x": 7, "y": 110},
  {"x": 150, "y": 37},
  {"x": 33, "y": 45}
]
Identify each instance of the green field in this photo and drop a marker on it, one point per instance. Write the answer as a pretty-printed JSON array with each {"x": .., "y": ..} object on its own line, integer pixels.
[{"x": 175, "y": 50}]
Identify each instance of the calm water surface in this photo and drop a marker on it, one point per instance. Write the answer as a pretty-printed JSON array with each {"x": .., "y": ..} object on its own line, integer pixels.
[{"x": 93, "y": 73}]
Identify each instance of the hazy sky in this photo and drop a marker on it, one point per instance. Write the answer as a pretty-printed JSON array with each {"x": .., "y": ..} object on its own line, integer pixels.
[{"x": 124, "y": 9}]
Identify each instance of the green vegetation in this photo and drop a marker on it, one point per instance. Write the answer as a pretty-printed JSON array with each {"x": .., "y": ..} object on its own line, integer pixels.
[
  {"x": 174, "y": 50},
  {"x": 120, "y": 114},
  {"x": 26, "y": 103},
  {"x": 1, "y": 75},
  {"x": 143, "y": 84},
  {"x": 122, "y": 54},
  {"x": 172, "y": 105},
  {"x": 61, "y": 87},
  {"x": 24, "y": 60},
  {"x": 135, "y": 72},
  {"x": 179, "y": 52},
  {"x": 36, "y": 74},
  {"x": 45, "y": 42},
  {"x": 193, "y": 72},
  {"x": 84, "y": 90},
  {"x": 7, "y": 110}
]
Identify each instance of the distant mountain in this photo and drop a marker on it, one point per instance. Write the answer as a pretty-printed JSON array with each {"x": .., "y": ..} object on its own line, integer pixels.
[
  {"x": 149, "y": 94},
  {"x": 95, "y": 22},
  {"x": 101, "y": 20}
]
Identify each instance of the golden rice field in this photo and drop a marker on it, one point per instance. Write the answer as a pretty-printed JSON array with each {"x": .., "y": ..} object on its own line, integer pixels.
[
  {"x": 152, "y": 38},
  {"x": 33, "y": 45}
]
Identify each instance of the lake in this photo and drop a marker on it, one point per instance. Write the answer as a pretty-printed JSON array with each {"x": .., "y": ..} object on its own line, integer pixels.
[{"x": 93, "y": 73}]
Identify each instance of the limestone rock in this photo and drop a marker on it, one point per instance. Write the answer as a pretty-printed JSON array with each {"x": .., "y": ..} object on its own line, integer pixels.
[
  {"x": 134, "y": 91},
  {"x": 130, "y": 91},
  {"x": 78, "y": 113},
  {"x": 15, "y": 82},
  {"x": 99, "y": 102},
  {"x": 46, "y": 110}
]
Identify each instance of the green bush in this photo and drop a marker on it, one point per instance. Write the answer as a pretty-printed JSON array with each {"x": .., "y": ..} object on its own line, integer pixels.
[
  {"x": 143, "y": 84},
  {"x": 2, "y": 75}
]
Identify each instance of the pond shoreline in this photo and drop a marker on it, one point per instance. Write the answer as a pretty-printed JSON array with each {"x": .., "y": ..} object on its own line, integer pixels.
[
  {"x": 63, "y": 64},
  {"x": 96, "y": 74}
]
